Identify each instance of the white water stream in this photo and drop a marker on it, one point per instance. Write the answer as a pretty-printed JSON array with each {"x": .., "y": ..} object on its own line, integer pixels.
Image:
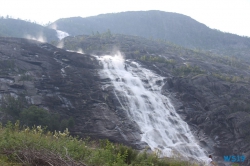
[
  {"x": 61, "y": 34},
  {"x": 139, "y": 92}
]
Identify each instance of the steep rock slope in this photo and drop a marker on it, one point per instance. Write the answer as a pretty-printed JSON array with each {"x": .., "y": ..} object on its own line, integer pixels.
[
  {"x": 209, "y": 91},
  {"x": 63, "y": 82}
]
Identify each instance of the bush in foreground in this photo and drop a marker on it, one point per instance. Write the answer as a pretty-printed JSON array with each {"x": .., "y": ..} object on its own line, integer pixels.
[{"x": 36, "y": 146}]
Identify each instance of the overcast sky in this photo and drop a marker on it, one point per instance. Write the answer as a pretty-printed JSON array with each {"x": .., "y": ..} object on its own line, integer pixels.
[{"x": 226, "y": 15}]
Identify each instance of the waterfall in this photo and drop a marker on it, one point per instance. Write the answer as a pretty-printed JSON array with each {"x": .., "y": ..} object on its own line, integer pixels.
[
  {"x": 140, "y": 95},
  {"x": 61, "y": 34}
]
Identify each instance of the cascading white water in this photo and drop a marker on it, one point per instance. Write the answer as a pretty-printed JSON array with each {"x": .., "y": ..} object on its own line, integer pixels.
[
  {"x": 61, "y": 34},
  {"x": 140, "y": 88}
]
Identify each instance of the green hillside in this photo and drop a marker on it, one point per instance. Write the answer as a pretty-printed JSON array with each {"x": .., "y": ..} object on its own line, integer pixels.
[
  {"x": 176, "y": 28},
  {"x": 18, "y": 28}
]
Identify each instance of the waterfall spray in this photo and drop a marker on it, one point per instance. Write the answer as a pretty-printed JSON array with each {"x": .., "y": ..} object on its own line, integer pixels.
[{"x": 162, "y": 128}]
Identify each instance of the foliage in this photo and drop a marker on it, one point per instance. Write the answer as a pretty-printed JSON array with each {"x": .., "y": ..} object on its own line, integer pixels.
[
  {"x": 232, "y": 61},
  {"x": 6, "y": 66},
  {"x": 162, "y": 26},
  {"x": 156, "y": 59},
  {"x": 33, "y": 115},
  {"x": 12, "y": 106},
  {"x": 231, "y": 78},
  {"x": 235, "y": 164},
  {"x": 10, "y": 27},
  {"x": 187, "y": 69},
  {"x": 106, "y": 34},
  {"x": 36, "y": 146}
]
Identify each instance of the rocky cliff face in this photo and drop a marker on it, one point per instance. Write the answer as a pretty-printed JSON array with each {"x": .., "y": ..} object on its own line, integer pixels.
[
  {"x": 217, "y": 110},
  {"x": 209, "y": 93},
  {"x": 63, "y": 82},
  {"x": 213, "y": 110}
]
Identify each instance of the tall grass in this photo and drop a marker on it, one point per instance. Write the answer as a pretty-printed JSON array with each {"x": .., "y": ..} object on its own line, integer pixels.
[{"x": 36, "y": 146}]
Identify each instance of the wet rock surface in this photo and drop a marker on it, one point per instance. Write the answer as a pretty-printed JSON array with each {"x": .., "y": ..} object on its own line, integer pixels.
[
  {"x": 210, "y": 92},
  {"x": 64, "y": 82},
  {"x": 215, "y": 107},
  {"x": 213, "y": 112},
  {"x": 216, "y": 110}
]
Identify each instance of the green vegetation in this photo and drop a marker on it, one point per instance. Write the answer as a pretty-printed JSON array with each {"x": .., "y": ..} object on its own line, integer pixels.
[
  {"x": 156, "y": 59},
  {"x": 173, "y": 56},
  {"x": 33, "y": 115},
  {"x": 231, "y": 78},
  {"x": 36, "y": 146},
  {"x": 96, "y": 42},
  {"x": 163, "y": 26},
  {"x": 187, "y": 69},
  {"x": 235, "y": 164},
  {"x": 225, "y": 77},
  {"x": 232, "y": 61},
  {"x": 101, "y": 42},
  {"x": 106, "y": 34},
  {"x": 19, "y": 28},
  {"x": 6, "y": 66}
]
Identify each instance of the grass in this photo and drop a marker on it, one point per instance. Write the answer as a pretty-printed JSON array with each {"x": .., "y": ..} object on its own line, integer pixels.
[{"x": 36, "y": 146}]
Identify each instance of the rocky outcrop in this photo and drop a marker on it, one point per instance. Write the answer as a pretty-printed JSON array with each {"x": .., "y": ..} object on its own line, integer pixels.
[
  {"x": 64, "y": 82},
  {"x": 210, "y": 94},
  {"x": 211, "y": 105}
]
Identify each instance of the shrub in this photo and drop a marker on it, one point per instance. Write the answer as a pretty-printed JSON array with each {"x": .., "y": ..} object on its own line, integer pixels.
[
  {"x": 36, "y": 146},
  {"x": 12, "y": 105},
  {"x": 157, "y": 59},
  {"x": 185, "y": 70},
  {"x": 33, "y": 115}
]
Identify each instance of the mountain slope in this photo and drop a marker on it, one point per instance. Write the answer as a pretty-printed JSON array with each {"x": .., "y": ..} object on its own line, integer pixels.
[
  {"x": 176, "y": 28},
  {"x": 23, "y": 29},
  {"x": 61, "y": 82},
  {"x": 210, "y": 92}
]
